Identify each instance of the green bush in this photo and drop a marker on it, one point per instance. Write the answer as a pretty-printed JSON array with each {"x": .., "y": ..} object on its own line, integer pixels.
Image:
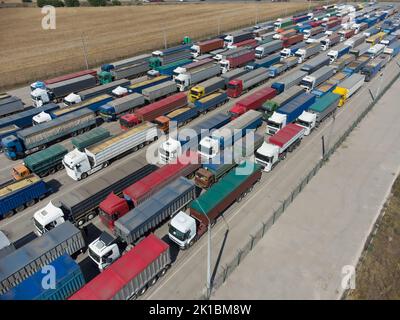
[
  {"x": 98, "y": 3},
  {"x": 116, "y": 2},
  {"x": 54, "y": 3},
  {"x": 72, "y": 3}
]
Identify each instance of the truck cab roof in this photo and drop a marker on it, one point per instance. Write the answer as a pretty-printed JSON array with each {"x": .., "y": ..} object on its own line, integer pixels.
[
  {"x": 48, "y": 214},
  {"x": 102, "y": 243},
  {"x": 182, "y": 221},
  {"x": 267, "y": 149}
]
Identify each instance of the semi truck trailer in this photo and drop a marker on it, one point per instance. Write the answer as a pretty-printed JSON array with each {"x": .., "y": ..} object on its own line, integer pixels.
[
  {"x": 288, "y": 81},
  {"x": 186, "y": 80},
  {"x": 291, "y": 51},
  {"x": 330, "y": 41},
  {"x": 206, "y": 46},
  {"x": 114, "y": 109},
  {"x": 338, "y": 52},
  {"x": 267, "y": 48},
  {"x": 159, "y": 91},
  {"x": 277, "y": 69},
  {"x": 264, "y": 62},
  {"x": 10, "y": 105},
  {"x": 237, "y": 60},
  {"x": 316, "y": 78},
  {"x": 90, "y": 138},
  {"x": 348, "y": 87},
  {"x": 315, "y": 63},
  {"x": 304, "y": 53},
  {"x": 240, "y": 85}
]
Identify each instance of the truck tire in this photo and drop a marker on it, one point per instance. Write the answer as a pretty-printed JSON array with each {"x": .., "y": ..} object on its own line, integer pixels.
[
  {"x": 153, "y": 281},
  {"x": 91, "y": 215},
  {"x": 135, "y": 149},
  {"x": 141, "y": 145},
  {"x": 59, "y": 167},
  {"x": 142, "y": 291},
  {"x": 43, "y": 174},
  {"x": 84, "y": 176},
  {"x": 52, "y": 171},
  {"x": 155, "y": 138},
  {"x": 8, "y": 214},
  {"x": 164, "y": 271},
  {"x": 81, "y": 223},
  {"x": 20, "y": 208},
  {"x": 106, "y": 164},
  {"x": 31, "y": 203}
]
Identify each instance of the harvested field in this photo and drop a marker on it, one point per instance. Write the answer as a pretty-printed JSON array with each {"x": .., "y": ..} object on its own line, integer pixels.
[{"x": 30, "y": 53}]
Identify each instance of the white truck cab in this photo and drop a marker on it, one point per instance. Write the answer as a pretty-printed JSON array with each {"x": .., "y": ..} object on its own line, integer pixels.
[
  {"x": 41, "y": 118},
  {"x": 39, "y": 97},
  {"x": 225, "y": 66},
  {"x": 104, "y": 250},
  {"x": 275, "y": 122},
  {"x": 182, "y": 81},
  {"x": 208, "y": 147},
  {"x": 308, "y": 121},
  {"x": 120, "y": 91},
  {"x": 77, "y": 165},
  {"x": 47, "y": 218},
  {"x": 72, "y": 99},
  {"x": 169, "y": 150},
  {"x": 267, "y": 155},
  {"x": 195, "y": 50},
  {"x": 228, "y": 40},
  {"x": 182, "y": 230}
]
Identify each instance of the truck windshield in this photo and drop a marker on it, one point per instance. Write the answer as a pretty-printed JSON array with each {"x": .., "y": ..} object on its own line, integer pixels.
[
  {"x": 262, "y": 157},
  {"x": 259, "y": 52},
  {"x": 176, "y": 233},
  {"x": 273, "y": 124},
  {"x": 94, "y": 256},
  {"x": 303, "y": 123},
  {"x": 38, "y": 225},
  {"x": 306, "y": 84},
  {"x": 125, "y": 123},
  {"x": 179, "y": 82},
  {"x": 194, "y": 93},
  {"x": 232, "y": 86}
]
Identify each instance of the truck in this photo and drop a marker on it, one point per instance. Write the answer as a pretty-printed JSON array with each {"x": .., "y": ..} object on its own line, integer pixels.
[
  {"x": 147, "y": 261},
  {"x": 270, "y": 106},
  {"x": 81, "y": 204},
  {"x": 289, "y": 112},
  {"x": 80, "y": 164},
  {"x": 114, "y": 109},
  {"x": 24, "y": 119},
  {"x": 355, "y": 41},
  {"x": 41, "y": 163},
  {"x": 252, "y": 102},
  {"x": 36, "y": 138},
  {"x": 373, "y": 67},
  {"x": 177, "y": 118},
  {"x": 317, "y": 38},
  {"x": 343, "y": 61},
  {"x": 6, "y": 246},
  {"x": 211, "y": 101},
  {"x": 136, "y": 223},
  {"x": 330, "y": 41},
  {"x": 288, "y": 81},
  {"x": 205, "y": 88},
  {"x": 186, "y": 80},
  {"x": 357, "y": 65},
  {"x": 237, "y": 60},
  {"x": 264, "y": 62},
  {"x": 232, "y": 74},
  {"x": 158, "y": 91},
  {"x": 282, "y": 23},
  {"x": 192, "y": 66},
  {"x": 57, "y": 91},
  {"x": 266, "y": 37},
  {"x": 320, "y": 110},
  {"x": 338, "y": 52},
  {"x": 206, "y": 46},
  {"x": 376, "y": 50},
  {"x": 15, "y": 196},
  {"x": 93, "y": 104},
  {"x": 252, "y": 43},
  {"x": 346, "y": 34},
  {"x": 315, "y": 63},
  {"x": 291, "y": 51},
  {"x": 304, "y": 53},
  {"x": 388, "y": 39},
  {"x": 284, "y": 34},
  {"x": 168, "y": 69},
  {"x": 238, "y": 36},
  {"x": 370, "y": 32},
  {"x": 331, "y": 24},
  {"x": 185, "y": 229},
  {"x": 360, "y": 50},
  {"x": 68, "y": 280},
  {"x": 89, "y": 138},
  {"x": 32, "y": 257},
  {"x": 227, "y": 53},
  {"x": 277, "y": 69},
  {"x": 393, "y": 49},
  {"x": 114, "y": 207},
  {"x": 348, "y": 87},
  {"x": 163, "y": 57},
  {"x": 225, "y": 136},
  {"x": 10, "y": 105},
  {"x": 337, "y": 78},
  {"x": 153, "y": 110},
  {"x": 313, "y": 31},
  {"x": 285, "y": 140},
  {"x": 240, "y": 85},
  {"x": 99, "y": 90},
  {"x": 138, "y": 87},
  {"x": 316, "y": 78},
  {"x": 323, "y": 89},
  {"x": 267, "y": 48},
  {"x": 189, "y": 138}
]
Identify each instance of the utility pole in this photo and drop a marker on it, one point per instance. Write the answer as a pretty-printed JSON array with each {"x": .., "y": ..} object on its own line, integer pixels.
[{"x": 84, "y": 49}]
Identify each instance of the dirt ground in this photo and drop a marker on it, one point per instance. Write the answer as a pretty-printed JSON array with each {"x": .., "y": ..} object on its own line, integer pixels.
[
  {"x": 378, "y": 273},
  {"x": 109, "y": 33}
]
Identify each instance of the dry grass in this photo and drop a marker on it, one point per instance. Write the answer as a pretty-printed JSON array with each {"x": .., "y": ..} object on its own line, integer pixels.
[
  {"x": 29, "y": 53},
  {"x": 378, "y": 274}
]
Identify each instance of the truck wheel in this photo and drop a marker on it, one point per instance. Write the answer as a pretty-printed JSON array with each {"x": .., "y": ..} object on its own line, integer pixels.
[
  {"x": 240, "y": 198},
  {"x": 135, "y": 149},
  {"x": 133, "y": 296},
  {"x": 106, "y": 164},
  {"x": 20, "y": 208},
  {"x": 31, "y": 203},
  {"x": 81, "y": 223},
  {"x": 141, "y": 145},
  {"x": 59, "y": 167},
  {"x": 155, "y": 138},
  {"x": 191, "y": 243},
  {"x": 153, "y": 281},
  {"x": 163, "y": 271},
  {"x": 74, "y": 134},
  {"x": 142, "y": 291},
  {"x": 8, "y": 214},
  {"x": 44, "y": 174},
  {"x": 84, "y": 175},
  {"x": 52, "y": 171},
  {"x": 91, "y": 215},
  {"x": 191, "y": 176}
]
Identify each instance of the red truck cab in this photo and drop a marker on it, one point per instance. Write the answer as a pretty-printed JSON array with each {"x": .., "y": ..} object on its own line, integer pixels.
[
  {"x": 236, "y": 111},
  {"x": 111, "y": 209},
  {"x": 128, "y": 121},
  {"x": 235, "y": 88}
]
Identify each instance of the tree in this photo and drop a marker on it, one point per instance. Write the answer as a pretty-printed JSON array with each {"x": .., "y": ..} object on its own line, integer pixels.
[
  {"x": 54, "y": 3},
  {"x": 72, "y": 3},
  {"x": 98, "y": 3}
]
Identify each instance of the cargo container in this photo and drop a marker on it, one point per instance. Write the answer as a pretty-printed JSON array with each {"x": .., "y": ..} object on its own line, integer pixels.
[
  {"x": 357, "y": 65},
  {"x": 355, "y": 41},
  {"x": 360, "y": 50},
  {"x": 158, "y": 91},
  {"x": 40, "y": 136},
  {"x": 373, "y": 67},
  {"x": 291, "y": 51},
  {"x": 130, "y": 275},
  {"x": 313, "y": 31},
  {"x": 316, "y": 78},
  {"x": 186, "y": 80},
  {"x": 225, "y": 136},
  {"x": 163, "y": 57},
  {"x": 68, "y": 280},
  {"x": 205, "y": 88},
  {"x": 310, "y": 50},
  {"x": 270, "y": 106},
  {"x": 236, "y": 61},
  {"x": 252, "y": 102},
  {"x": 57, "y": 91},
  {"x": 185, "y": 229},
  {"x": 42, "y": 163},
  {"x": 251, "y": 43},
  {"x": 80, "y": 164},
  {"x": 288, "y": 81},
  {"x": 136, "y": 223},
  {"x": 103, "y": 89},
  {"x": 206, "y": 46},
  {"x": 191, "y": 67},
  {"x": 321, "y": 109},
  {"x": 238, "y": 36},
  {"x": 348, "y": 87},
  {"x": 23, "y": 119},
  {"x": 10, "y": 105},
  {"x": 211, "y": 172},
  {"x": 343, "y": 61},
  {"x": 153, "y": 110},
  {"x": 264, "y": 62},
  {"x": 330, "y": 41},
  {"x": 240, "y": 85},
  {"x": 289, "y": 112},
  {"x": 29, "y": 259},
  {"x": 393, "y": 49},
  {"x": 115, "y": 109},
  {"x": 62, "y": 78},
  {"x": 277, "y": 69},
  {"x": 338, "y": 52},
  {"x": 285, "y": 140},
  {"x": 267, "y": 48},
  {"x": 175, "y": 146},
  {"x": 323, "y": 89},
  {"x": 168, "y": 69},
  {"x": 284, "y": 34},
  {"x": 80, "y": 205},
  {"x": 6, "y": 246}
]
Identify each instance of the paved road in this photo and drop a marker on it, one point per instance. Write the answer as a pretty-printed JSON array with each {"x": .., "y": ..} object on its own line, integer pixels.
[
  {"x": 327, "y": 225},
  {"x": 186, "y": 280}
]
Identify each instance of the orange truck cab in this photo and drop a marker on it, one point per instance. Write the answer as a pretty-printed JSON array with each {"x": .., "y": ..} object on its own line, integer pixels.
[
  {"x": 163, "y": 123},
  {"x": 20, "y": 172}
]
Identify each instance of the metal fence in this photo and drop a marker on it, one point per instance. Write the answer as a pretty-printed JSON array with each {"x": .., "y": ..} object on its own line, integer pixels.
[{"x": 261, "y": 230}]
